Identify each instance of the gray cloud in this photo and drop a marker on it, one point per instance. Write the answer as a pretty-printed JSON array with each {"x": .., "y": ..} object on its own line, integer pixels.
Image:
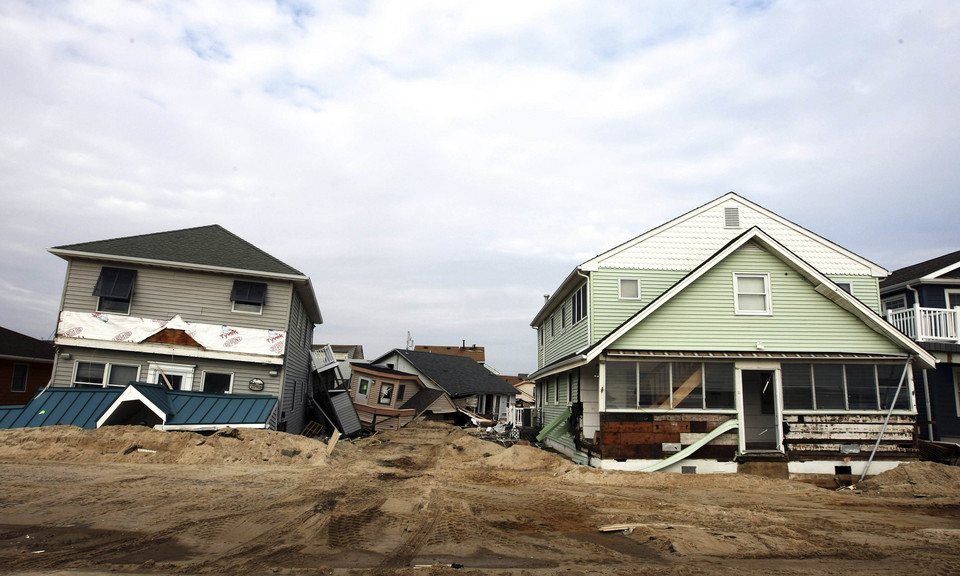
[{"x": 437, "y": 168}]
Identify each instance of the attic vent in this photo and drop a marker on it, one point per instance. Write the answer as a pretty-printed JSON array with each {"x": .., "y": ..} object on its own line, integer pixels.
[{"x": 731, "y": 217}]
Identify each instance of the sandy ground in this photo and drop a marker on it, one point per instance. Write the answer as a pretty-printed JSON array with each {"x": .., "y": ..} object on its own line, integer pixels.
[{"x": 432, "y": 499}]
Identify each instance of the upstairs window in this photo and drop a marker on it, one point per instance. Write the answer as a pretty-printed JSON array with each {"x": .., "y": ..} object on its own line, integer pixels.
[
  {"x": 248, "y": 296},
  {"x": 19, "y": 378},
  {"x": 629, "y": 289},
  {"x": 846, "y": 287},
  {"x": 114, "y": 290},
  {"x": 580, "y": 304},
  {"x": 752, "y": 294},
  {"x": 897, "y": 302}
]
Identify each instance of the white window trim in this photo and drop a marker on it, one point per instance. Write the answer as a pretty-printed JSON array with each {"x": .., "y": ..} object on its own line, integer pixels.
[
  {"x": 203, "y": 376},
  {"x": 258, "y": 312},
  {"x": 185, "y": 371},
  {"x": 107, "y": 367},
  {"x": 768, "y": 300},
  {"x": 946, "y": 296},
  {"x": 620, "y": 295},
  {"x": 841, "y": 283},
  {"x": 898, "y": 298},
  {"x": 123, "y": 313}
]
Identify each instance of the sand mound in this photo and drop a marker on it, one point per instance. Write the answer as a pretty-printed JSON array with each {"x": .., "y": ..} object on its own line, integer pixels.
[
  {"x": 137, "y": 444},
  {"x": 520, "y": 457},
  {"x": 915, "y": 479}
]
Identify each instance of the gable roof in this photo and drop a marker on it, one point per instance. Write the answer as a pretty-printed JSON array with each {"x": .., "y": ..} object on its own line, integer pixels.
[
  {"x": 23, "y": 347},
  {"x": 179, "y": 409},
  {"x": 458, "y": 376},
  {"x": 208, "y": 248},
  {"x": 822, "y": 284},
  {"x": 931, "y": 269},
  {"x": 685, "y": 242}
]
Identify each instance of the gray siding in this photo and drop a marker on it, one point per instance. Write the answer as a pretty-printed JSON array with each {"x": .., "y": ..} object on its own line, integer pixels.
[
  {"x": 242, "y": 372},
  {"x": 296, "y": 370},
  {"x": 162, "y": 293}
]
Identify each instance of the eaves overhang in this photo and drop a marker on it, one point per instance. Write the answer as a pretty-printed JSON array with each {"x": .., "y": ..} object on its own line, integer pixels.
[{"x": 565, "y": 289}]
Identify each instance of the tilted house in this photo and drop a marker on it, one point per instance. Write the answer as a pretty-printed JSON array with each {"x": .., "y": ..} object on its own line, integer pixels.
[
  {"x": 389, "y": 399},
  {"x": 923, "y": 302},
  {"x": 471, "y": 386},
  {"x": 198, "y": 309},
  {"x": 726, "y": 335}
]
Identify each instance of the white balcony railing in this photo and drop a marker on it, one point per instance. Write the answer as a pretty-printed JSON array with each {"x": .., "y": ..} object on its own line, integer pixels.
[{"x": 927, "y": 324}]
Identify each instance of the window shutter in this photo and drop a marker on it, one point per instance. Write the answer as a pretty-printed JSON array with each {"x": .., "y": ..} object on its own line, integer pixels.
[{"x": 115, "y": 283}]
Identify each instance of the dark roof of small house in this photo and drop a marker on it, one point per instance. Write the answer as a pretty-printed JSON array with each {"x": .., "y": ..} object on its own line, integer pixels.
[
  {"x": 921, "y": 269},
  {"x": 459, "y": 376},
  {"x": 17, "y": 345},
  {"x": 84, "y": 406},
  {"x": 211, "y": 245},
  {"x": 422, "y": 399}
]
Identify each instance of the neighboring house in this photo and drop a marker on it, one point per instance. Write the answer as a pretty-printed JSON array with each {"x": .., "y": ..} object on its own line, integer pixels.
[
  {"x": 470, "y": 385},
  {"x": 25, "y": 366},
  {"x": 198, "y": 309},
  {"x": 389, "y": 399},
  {"x": 722, "y": 337},
  {"x": 923, "y": 302}
]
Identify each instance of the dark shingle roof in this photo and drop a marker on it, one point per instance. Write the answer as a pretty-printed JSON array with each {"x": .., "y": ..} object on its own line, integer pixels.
[
  {"x": 919, "y": 270},
  {"x": 212, "y": 246},
  {"x": 21, "y": 346},
  {"x": 458, "y": 375}
]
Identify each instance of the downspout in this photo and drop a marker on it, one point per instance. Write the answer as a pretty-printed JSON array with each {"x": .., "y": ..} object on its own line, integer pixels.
[{"x": 886, "y": 421}]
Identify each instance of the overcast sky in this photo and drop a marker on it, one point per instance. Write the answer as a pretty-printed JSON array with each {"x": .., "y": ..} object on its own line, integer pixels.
[{"x": 438, "y": 167}]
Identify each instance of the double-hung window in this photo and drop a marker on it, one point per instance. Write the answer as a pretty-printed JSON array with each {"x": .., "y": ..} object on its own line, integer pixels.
[
  {"x": 114, "y": 289},
  {"x": 248, "y": 296},
  {"x": 752, "y": 293}
]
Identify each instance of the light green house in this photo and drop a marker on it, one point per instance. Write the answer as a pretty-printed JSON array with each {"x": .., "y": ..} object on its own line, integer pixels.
[{"x": 723, "y": 337}]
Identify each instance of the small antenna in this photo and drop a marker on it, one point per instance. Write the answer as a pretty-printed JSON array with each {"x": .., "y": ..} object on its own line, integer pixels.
[{"x": 409, "y": 341}]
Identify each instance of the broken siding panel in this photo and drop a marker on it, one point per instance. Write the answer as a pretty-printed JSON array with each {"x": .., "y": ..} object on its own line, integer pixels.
[
  {"x": 702, "y": 317},
  {"x": 641, "y": 436},
  {"x": 828, "y": 433},
  {"x": 161, "y": 293}
]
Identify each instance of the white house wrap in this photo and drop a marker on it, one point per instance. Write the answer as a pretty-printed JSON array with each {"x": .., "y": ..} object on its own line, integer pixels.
[{"x": 117, "y": 328}]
